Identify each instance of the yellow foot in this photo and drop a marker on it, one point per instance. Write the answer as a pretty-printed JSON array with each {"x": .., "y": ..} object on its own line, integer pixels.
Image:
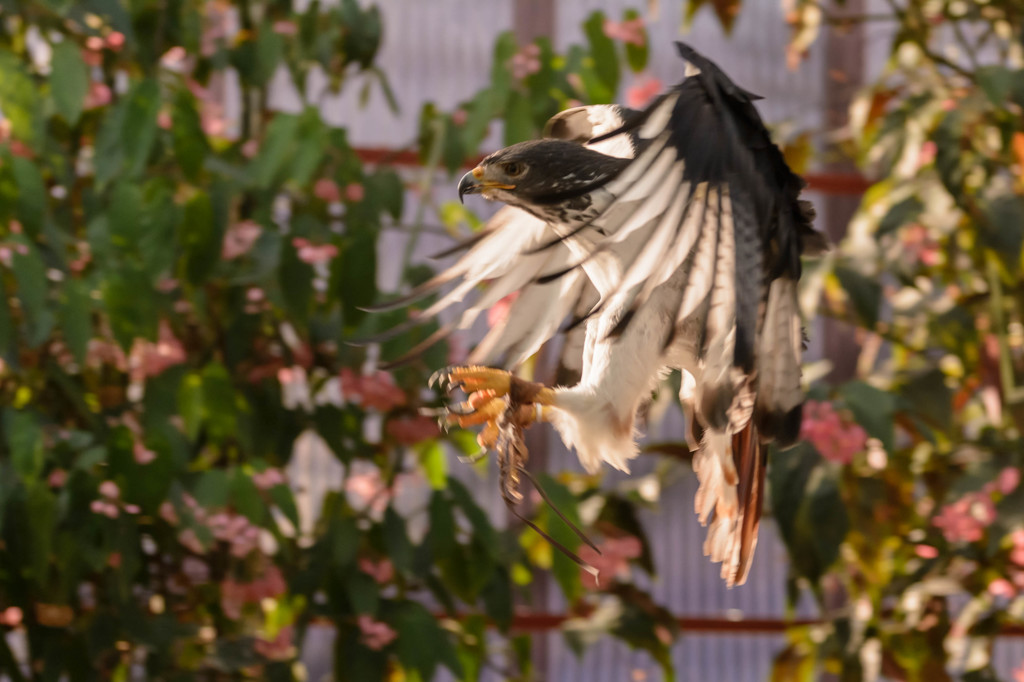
[{"x": 491, "y": 394}]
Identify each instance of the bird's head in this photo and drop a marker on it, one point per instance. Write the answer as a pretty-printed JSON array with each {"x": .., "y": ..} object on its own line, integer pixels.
[{"x": 540, "y": 173}]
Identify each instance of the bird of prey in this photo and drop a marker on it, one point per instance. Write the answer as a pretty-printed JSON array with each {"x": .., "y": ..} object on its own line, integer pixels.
[{"x": 668, "y": 238}]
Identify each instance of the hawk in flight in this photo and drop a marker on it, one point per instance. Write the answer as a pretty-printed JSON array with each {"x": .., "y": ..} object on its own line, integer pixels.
[{"x": 668, "y": 238}]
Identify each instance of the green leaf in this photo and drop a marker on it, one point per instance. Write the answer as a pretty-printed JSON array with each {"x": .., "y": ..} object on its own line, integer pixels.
[
  {"x": 21, "y": 103},
  {"x": 808, "y": 509},
  {"x": 211, "y": 491},
  {"x": 518, "y": 119},
  {"x": 25, "y": 441},
  {"x": 442, "y": 526},
  {"x": 76, "y": 317},
  {"x": 636, "y": 55},
  {"x": 190, "y": 404},
  {"x": 362, "y": 593},
  {"x": 245, "y": 497},
  {"x": 220, "y": 410},
  {"x": 41, "y": 510},
  {"x": 386, "y": 190},
  {"x": 31, "y": 194},
  {"x": 566, "y": 571},
  {"x": 602, "y": 49},
  {"x": 130, "y": 302},
  {"x": 899, "y": 215},
  {"x": 33, "y": 288},
  {"x": 344, "y": 539},
  {"x": 421, "y": 643},
  {"x": 996, "y": 82},
  {"x": 127, "y": 134},
  {"x": 69, "y": 80},
  {"x": 189, "y": 140},
  {"x": 872, "y": 408},
  {"x": 276, "y": 147},
  {"x": 435, "y": 464},
  {"x": 397, "y": 541},
  {"x": 356, "y": 274},
  {"x": 1003, "y": 230},
  {"x": 201, "y": 237},
  {"x": 865, "y": 294}
]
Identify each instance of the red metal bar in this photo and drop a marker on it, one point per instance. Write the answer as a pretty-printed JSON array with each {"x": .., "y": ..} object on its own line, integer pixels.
[{"x": 826, "y": 183}]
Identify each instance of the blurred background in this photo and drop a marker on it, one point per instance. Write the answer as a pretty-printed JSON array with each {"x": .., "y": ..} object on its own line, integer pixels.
[{"x": 200, "y": 478}]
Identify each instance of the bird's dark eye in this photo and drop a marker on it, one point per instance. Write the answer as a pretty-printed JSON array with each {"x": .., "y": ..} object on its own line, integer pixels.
[{"x": 513, "y": 169}]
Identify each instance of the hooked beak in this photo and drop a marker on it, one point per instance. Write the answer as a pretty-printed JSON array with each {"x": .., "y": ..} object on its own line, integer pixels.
[{"x": 473, "y": 182}]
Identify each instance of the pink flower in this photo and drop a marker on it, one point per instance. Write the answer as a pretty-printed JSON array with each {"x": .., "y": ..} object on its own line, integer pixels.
[
  {"x": 57, "y": 478},
  {"x": 526, "y": 62},
  {"x": 498, "y": 313},
  {"x": 239, "y": 238},
  {"x": 250, "y": 148},
  {"x": 149, "y": 359},
  {"x": 919, "y": 245},
  {"x": 168, "y": 513},
  {"x": 612, "y": 562},
  {"x": 381, "y": 571},
  {"x": 270, "y": 585},
  {"x": 189, "y": 538},
  {"x": 285, "y": 27},
  {"x": 132, "y": 508},
  {"x": 174, "y": 58},
  {"x": 327, "y": 190},
  {"x": 110, "y": 490},
  {"x": 646, "y": 89},
  {"x": 97, "y": 96},
  {"x": 365, "y": 490},
  {"x": 377, "y": 391},
  {"x": 265, "y": 480},
  {"x": 108, "y": 509},
  {"x": 376, "y": 635},
  {"x": 966, "y": 519},
  {"x": 409, "y": 430},
  {"x": 629, "y": 31},
  {"x": 1017, "y": 553},
  {"x": 278, "y": 649},
  {"x": 233, "y": 596},
  {"x": 115, "y": 41},
  {"x": 927, "y": 153},
  {"x": 354, "y": 192},
  {"x": 94, "y": 43},
  {"x": 142, "y": 454},
  {"x": 1008, "y": 480},
  {"x": 11, "y": 617},
  {"x": 836, "y": 438},
  {"x": 92, "y": 57},
  {"x": 164, "y": 120},
  {"x": 1001, "y": 587},
  {"x": 314, "y": 253},
  {"x": 926, "y": 551},
  {"x": 459, "y": 117}
]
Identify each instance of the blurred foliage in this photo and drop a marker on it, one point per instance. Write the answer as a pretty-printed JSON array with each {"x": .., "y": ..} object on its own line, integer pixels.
[
  {"x": 194, "y": 465},
  {"x": 913, "y": 542}
]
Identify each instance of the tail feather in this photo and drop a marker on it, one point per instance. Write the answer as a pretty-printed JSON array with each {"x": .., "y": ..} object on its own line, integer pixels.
[{"x": 732, "y": 533}]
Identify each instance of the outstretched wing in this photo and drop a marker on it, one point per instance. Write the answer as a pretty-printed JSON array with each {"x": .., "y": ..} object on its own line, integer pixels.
[
  {"x": 517, "y": 253},
  {"x": 710, "y": 195}
]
